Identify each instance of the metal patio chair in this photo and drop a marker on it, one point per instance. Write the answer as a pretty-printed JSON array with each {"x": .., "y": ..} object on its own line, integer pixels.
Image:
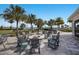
[
  {"x": 22, "y": 43},
  {"x": 34, "y": 44},
  {"x": 3, "y": 39},
  {"x": 53, "y": 42}
]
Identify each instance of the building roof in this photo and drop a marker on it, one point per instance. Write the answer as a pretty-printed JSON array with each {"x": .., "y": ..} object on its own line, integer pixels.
[{"x": 76, "y": 12}]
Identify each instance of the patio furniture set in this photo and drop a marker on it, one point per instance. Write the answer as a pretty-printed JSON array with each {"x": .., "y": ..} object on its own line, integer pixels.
[
  {"x": 29, "y": 44},
  {"x": 34, "y": 43}
]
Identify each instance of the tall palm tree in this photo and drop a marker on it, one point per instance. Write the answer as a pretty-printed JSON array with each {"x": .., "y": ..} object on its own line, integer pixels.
[
  {"x": 39, "y": 23},
  {"x": 31, "y": 20},
  {"x": 11, "y": 21},
  {"x": 59, "y": 21},
  {"x": 16, "y": 13}
]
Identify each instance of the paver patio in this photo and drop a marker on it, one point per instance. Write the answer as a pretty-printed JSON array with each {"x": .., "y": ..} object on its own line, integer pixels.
[{"x": 68, "y": 46}]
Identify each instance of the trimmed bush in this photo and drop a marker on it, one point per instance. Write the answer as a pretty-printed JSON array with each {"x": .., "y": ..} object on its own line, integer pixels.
[{"x": 66, "y": 30}]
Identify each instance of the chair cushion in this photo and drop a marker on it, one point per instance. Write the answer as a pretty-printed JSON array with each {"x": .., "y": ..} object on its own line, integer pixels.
[{"x": 24, "y": 45}]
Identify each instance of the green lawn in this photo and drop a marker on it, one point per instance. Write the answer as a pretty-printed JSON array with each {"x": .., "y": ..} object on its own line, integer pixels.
[
  {"x": 8, "y": 32},
  {"x": 12, "y": 32},
  {"x": 66, "y": 30},
  {"x": 5, "y": 31}
]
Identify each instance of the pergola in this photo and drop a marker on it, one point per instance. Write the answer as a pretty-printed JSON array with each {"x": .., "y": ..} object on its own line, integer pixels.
[{"x": 75, "y": 22}]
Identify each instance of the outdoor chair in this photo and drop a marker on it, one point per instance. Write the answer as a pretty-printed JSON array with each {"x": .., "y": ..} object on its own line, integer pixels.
[
  {"x": 22, "y": 36},
  {"x": 22, "y": 43},
  {"x": 49, "y": 33},
  {"x": 45, "y": 34},
  {"x": 3, "y": 39},
  {"x": 34, "y": 44},
  {"x": 53, "y": 42},
  {"x": 58, "y": 35},
  {"x": 55, "y": 31}
]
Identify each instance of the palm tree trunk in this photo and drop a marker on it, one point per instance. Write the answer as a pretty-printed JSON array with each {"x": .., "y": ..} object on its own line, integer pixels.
[
  {"x": 31, "y": 27},
  {"x": 51, "y": 27},
  {"x": 17, "y": 34},
  {"x": 38, "y": 28},
  {"x": 11, "y": 26},
  {"x": 17, "y": 28}
]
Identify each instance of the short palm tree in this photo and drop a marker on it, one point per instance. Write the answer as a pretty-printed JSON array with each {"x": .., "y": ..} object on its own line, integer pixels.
[
  {"x": 22, "y": 26},
  {"x": 45, "y": 22},
  {"x": 59, "y": 21},
  {"x": 69, "y": 21},
  {"x": 39, "y": 23},
  {"x": 51, "y": 22},
  {"x": 15, "y": 13}
]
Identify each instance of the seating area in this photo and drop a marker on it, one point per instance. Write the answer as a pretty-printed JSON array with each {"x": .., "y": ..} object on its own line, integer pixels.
[
  {"x": 29, "y": 46},
  {"x": 33, "y": 42},
  {"x": 29, "y": 30},
  {"x": 30, "y": 43}
]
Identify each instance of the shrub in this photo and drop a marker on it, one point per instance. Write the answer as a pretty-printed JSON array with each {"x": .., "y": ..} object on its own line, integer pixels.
[{"x": 66, "y": 30}]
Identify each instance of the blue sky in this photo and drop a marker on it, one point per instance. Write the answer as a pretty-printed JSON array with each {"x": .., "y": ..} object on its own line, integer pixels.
[{"x": 44, "y": 11}]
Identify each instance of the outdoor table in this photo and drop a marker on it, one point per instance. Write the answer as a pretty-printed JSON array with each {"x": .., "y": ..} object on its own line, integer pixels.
[
  {"x": 54, "y": 34},
  {"x": 39, "y": 36}
]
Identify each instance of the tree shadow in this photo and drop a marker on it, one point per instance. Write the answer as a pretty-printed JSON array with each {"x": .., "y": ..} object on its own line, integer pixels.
[{"x": 10, "y": 48}]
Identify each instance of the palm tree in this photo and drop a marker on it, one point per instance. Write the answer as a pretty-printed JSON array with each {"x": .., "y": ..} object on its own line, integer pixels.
[
  {"x": 39, "y": 23},
  {"x": 59, "y": 21},
  {"x": 45, "y": 22},
  {"x": 1, "y": 27},
  {"x": 22, "y": 26},
  {"x": 11, "y": 21},
  {"x": 69, "y": 21},
  {"x": 31, "y": 20},
  {"x": 16, "y": 13},
  {"x": 51, "y": 22}
]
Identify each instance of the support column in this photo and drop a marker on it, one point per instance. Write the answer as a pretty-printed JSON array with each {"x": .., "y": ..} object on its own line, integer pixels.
[{"x": 73, "y": 28}]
